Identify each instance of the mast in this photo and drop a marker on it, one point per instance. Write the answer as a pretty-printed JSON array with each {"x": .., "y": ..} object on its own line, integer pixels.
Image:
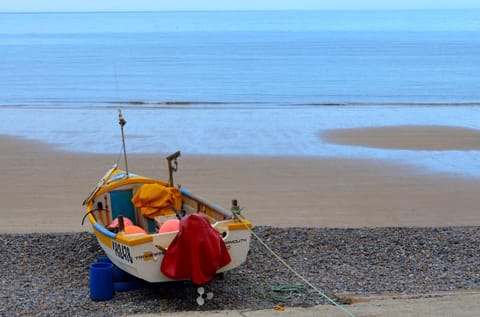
[{"x": 122, "y": 122}]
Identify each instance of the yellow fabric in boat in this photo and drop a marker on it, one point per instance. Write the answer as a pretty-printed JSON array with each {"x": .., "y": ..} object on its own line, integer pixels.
[{"x": 157, "y": 200}]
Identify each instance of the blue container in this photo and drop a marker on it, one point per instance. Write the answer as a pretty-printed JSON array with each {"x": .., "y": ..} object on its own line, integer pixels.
[
  {"x": 119, "y": 275},
  {"x": 129, "y": 286},
  {"x": 101, "y": 281},
  {"x": 103, "y": 258}
]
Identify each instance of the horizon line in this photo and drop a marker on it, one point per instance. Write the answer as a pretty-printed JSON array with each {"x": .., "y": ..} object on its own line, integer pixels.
[{"x": 240, "y": 10}]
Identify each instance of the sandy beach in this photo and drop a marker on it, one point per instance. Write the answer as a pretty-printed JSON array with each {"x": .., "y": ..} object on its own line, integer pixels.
[{"x": 46, "y": 188}]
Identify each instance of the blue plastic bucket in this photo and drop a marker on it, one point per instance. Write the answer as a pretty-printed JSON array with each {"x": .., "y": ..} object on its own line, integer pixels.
[{"x": 101, "y": 281}]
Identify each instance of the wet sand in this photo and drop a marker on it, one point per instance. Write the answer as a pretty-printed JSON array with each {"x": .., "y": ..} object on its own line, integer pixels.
[
  {"x": 408, "y": 137},
  {"x": 43, "y": 189}
]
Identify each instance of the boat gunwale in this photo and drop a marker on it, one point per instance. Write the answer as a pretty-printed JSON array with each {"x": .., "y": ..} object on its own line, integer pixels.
[{"x": 148, "y": 237}]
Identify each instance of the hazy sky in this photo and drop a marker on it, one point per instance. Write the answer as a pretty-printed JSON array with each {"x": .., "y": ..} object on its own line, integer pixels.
[{"x": 159, "y": 5}]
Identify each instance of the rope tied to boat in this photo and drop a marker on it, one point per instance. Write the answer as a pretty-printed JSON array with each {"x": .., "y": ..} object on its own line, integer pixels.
[{"x": 239, "y": 217}]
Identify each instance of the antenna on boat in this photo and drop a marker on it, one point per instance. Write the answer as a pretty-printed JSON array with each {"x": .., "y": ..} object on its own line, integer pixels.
[{"x": 122, "y": 122}]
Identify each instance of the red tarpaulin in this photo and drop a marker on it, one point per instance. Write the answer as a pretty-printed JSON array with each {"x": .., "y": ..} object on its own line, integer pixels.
[{"x": 196, "y": 253}]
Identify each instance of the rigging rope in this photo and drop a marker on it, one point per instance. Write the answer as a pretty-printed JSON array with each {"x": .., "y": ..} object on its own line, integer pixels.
[
  {"x": 119, "y": 156},
  {"x": 239, "y": 217}
]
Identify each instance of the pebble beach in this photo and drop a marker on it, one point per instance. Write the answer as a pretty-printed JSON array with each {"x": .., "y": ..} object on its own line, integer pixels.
[{"x": 47, "y": 273}]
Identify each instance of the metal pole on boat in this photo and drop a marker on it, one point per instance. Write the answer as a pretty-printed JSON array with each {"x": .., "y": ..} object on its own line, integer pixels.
[
  {"x": 172, "y": 158},
  {"x": 122, "y": 122}
]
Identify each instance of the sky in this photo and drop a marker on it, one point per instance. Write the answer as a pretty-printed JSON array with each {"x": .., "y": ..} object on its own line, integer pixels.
[{"x": 173, "y": 5}]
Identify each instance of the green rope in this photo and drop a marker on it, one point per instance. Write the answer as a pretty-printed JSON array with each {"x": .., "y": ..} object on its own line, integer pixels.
[
  {"x": 296, "y": 288},
  {"x": 288, "y": 289},
  {"x": 238, "y": 216}
]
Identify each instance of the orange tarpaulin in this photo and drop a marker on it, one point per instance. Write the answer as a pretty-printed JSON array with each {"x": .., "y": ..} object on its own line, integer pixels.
[{"x": 157, "y": 200}]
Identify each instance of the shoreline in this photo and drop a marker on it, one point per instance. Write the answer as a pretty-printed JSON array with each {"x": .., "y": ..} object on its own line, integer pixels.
[{"x": 46, "y": 187}]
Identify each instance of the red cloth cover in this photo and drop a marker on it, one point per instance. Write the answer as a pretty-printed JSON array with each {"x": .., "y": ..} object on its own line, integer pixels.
[{"x": 196, "y": 252}]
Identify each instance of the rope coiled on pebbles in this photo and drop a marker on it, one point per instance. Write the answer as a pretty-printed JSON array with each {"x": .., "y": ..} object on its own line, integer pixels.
[
  {"x": 289, "y": 289},
  {"x": 236, "y": 214}
]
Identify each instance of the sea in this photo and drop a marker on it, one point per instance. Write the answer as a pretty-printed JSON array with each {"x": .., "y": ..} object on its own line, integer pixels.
[{"x": 254, "y": 83}]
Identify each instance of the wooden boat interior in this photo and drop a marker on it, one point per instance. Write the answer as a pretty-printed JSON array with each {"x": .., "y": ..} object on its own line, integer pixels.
[{"x": 109, "y": 205}]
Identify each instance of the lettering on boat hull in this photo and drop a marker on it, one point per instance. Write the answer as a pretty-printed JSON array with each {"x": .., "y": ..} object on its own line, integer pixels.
[
  {"x": 148, "y": 256},
  {"x": 122, "y": 252},
  {"x": 236, "y": 241}
]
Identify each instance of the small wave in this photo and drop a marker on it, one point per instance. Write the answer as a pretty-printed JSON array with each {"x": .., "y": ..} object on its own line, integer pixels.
[
  {"x": 293, "y": 104},
  {"x": 405, "y": 104},
  {"x": 167, "y": 103},
  {"x": 183, "y": 102},
  {"x": 186, "y": 104},
  {"x": 197, "y": 105}
]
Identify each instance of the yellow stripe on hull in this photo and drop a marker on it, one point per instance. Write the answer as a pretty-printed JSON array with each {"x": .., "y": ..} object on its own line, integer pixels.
[
  {"x": 104, "y": 239},
  {"x": 131, "y": 241},
  {"x": 240, "y": 225}
]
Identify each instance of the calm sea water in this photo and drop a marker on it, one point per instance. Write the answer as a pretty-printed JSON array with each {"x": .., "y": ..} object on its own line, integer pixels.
[{"x": 252, "y": 83}]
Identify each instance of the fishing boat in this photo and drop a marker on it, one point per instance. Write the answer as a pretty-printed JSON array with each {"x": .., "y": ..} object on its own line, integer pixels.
[{"x": 160, "y": 232}]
